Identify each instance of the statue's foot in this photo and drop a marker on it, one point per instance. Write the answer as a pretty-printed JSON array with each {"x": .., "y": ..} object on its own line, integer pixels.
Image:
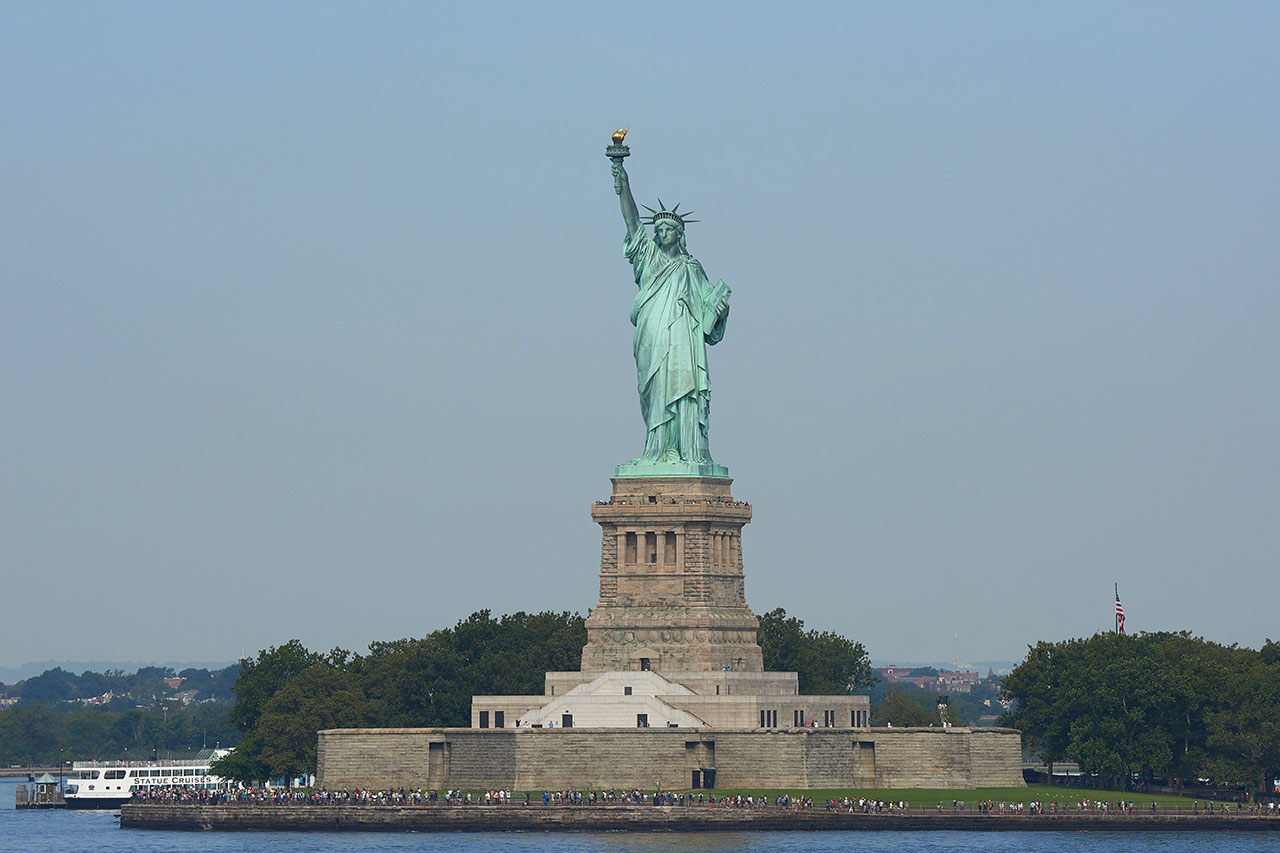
[{"x": 671, "y": 457}]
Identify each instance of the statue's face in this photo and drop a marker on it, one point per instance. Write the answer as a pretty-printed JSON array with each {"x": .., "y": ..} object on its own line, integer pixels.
[{"x": 665, "y": 234}]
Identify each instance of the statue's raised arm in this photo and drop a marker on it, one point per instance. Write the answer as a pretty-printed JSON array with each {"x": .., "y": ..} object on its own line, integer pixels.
[
  {"x": 617, "y": 152},
  {"x": 622, "y": 186}
]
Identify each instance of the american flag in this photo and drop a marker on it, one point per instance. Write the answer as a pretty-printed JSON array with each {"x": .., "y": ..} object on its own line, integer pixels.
[{"x": 1119, "y": 613}]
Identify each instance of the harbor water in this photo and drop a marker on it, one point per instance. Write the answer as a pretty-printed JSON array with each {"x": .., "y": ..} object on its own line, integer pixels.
[{"x": 89, "y": 830}]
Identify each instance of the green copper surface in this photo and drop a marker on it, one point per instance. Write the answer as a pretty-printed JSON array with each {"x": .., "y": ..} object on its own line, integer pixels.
[
  {"x": 670, "y": 469},
  {"x": 677, "y": 314}
]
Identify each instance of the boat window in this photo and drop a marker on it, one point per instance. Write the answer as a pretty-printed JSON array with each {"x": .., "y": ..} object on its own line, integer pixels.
[{"x": 113, "y": 774}]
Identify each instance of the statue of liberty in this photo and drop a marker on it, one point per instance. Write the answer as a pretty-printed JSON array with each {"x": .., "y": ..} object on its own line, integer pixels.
[{"x": 677, "y": 313}]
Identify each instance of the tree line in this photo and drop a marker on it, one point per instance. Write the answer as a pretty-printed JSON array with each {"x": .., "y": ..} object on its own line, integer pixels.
[
  {"x": 288, "y": 693},
  {"x": 50, "y": 722},
  {"x": 127, "y": 689},
  {"x": 33, "y": 733},
  {"x": 1155, "y": 706}
]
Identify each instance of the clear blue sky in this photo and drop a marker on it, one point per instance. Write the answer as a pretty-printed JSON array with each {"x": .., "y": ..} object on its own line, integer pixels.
[{"x": 313, "y": 316}]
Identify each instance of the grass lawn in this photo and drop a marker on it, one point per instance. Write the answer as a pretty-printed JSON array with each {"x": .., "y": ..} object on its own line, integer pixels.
[{"x": 929, "y": 798}]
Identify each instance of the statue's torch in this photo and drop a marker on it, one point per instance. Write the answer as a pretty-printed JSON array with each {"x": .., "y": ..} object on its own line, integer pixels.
[{"x": 616, "y": 152}]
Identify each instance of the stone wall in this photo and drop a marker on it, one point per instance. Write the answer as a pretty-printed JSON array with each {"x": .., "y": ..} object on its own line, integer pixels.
[
  {"x": 533, "y": 759},
  {"x": 537, "y": 818}
]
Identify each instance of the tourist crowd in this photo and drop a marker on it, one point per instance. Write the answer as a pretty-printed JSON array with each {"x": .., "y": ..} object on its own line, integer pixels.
[{"x": 636, "y": 797}]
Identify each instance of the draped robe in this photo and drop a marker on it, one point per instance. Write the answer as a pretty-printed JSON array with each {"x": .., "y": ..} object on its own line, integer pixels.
[{"x": 674, "y": 323}]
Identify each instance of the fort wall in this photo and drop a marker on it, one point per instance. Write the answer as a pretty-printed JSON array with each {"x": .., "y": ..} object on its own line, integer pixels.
[{"x": 668, "y": 758}]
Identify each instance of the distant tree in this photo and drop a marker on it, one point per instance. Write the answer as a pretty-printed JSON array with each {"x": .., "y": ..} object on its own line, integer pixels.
[
  {"x": 951, "y": 715},
  {"x": 900, "y": 709},
  {"x": 224, "y": 681},
  {"x": 29, "y": 732},
  {"x": 149, "y": 681},
  {"x": 54, "y": 685}
]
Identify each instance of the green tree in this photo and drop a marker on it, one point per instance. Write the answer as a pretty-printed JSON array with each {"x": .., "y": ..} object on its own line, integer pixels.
[
  {"x": 245, "y": 764},
  {"x": 262, "y": 678},
  {"x": 288, "y": 693},
  {"x": 29, "y": 734},
  {"x": 1160, "y": 704},
  {"x": 53, "y": 685},
  {"x": 899, "y": 709},
  {"x": 825, "y": 662},
  {"x": 430, "y": 682},
  {"x": 1034, "y": 688},
  {"x": 1244, "y": 736},
  {"x": 320, "y": 697}
]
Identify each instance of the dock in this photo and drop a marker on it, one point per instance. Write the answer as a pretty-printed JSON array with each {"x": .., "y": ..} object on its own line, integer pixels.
[{"x": 44, "y": 794}]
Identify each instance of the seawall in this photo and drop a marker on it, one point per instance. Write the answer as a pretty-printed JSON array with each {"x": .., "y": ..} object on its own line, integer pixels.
[{"x": 536, "y": 818}]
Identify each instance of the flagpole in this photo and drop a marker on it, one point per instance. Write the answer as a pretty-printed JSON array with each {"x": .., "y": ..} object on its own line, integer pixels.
[{"x": 1117, "y": 613}]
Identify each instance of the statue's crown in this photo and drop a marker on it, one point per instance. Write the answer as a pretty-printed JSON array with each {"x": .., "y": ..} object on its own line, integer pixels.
[{"x": 664, "y": 215}]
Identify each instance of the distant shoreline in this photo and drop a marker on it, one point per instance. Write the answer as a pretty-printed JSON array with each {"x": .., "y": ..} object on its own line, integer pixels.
[{"x": 537, "y": 818}]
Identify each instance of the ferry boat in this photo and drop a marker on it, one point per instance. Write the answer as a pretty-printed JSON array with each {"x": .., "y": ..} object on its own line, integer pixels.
[{"x": 110, "y": 784}]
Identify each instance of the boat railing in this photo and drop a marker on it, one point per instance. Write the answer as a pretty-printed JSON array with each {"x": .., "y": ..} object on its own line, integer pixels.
[{"x": 163, "y": 762}]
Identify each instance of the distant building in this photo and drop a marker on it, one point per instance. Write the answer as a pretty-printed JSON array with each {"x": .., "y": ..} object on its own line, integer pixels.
[
  {"x": 174, "y": 683},
  {"x": 893, "y": 674},
  {"x": 104, "y": 699},
  {"x": 948, "y": 682}
]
